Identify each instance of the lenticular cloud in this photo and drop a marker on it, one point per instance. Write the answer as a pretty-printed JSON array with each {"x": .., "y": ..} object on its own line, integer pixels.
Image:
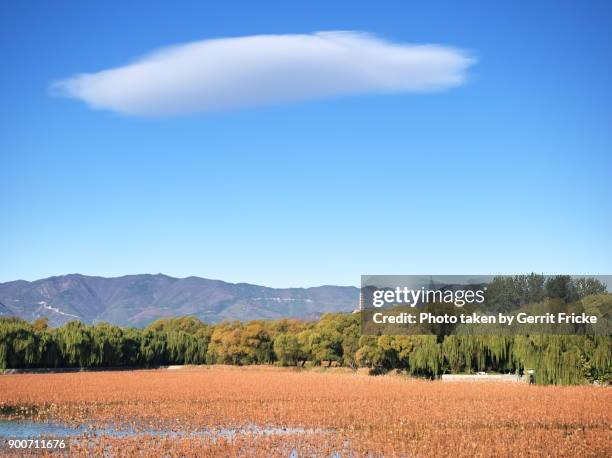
[{"x": 234, "y": 73}]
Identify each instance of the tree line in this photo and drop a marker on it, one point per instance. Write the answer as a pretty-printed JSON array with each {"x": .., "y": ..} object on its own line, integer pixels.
[
  {"x": 333, "y": 340},
  {"x": 505, "y": 293}
]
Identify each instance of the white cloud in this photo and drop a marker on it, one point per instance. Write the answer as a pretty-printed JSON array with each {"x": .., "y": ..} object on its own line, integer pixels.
[{"x": 233, "y": 73}]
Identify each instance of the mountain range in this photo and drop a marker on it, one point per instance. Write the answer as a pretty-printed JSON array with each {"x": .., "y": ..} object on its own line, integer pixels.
[{"x": 137, "y": 300}]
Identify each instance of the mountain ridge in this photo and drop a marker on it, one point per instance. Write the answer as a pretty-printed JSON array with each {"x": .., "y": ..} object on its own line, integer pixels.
[{"x": 138, "y": 299}]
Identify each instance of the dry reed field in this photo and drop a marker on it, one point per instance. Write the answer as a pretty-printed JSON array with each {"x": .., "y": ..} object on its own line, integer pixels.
[{"x": 277, "y": 412}]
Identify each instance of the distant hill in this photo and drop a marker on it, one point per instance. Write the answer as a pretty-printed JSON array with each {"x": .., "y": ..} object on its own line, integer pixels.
[{"x": 137, "y": 300}]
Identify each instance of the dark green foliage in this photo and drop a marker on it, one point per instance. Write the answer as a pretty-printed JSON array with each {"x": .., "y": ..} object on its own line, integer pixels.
[
  {"x": 334, "y": 339},
  {"x": 508, "y": 293},
  {"x": 561, "y": 287},
  {"x": 76, "y": 346},
  {"x": 19, "y": 344}
]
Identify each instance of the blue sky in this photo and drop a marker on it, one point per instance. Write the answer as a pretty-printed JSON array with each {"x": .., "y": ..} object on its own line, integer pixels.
[{"x": 509, "y": 172}]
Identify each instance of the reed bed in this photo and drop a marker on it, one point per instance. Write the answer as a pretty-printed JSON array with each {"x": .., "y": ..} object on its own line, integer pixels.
[{"x": 351, "y": 414}]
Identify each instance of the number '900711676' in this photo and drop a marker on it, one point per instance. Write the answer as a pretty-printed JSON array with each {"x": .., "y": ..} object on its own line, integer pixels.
[{"x": 33, "y": 444}]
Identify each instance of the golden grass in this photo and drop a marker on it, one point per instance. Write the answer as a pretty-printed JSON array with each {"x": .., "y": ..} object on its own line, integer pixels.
[{"x": 354, "y": 413}]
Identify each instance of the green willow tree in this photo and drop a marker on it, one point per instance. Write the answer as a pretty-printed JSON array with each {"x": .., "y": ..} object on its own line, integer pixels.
[{"x": 334, "y": 339}]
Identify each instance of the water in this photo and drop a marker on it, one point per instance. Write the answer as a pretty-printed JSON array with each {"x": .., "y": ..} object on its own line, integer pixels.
[
  {"x": 27, "y": 429},
  {"x": 24, "y": 429}
]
